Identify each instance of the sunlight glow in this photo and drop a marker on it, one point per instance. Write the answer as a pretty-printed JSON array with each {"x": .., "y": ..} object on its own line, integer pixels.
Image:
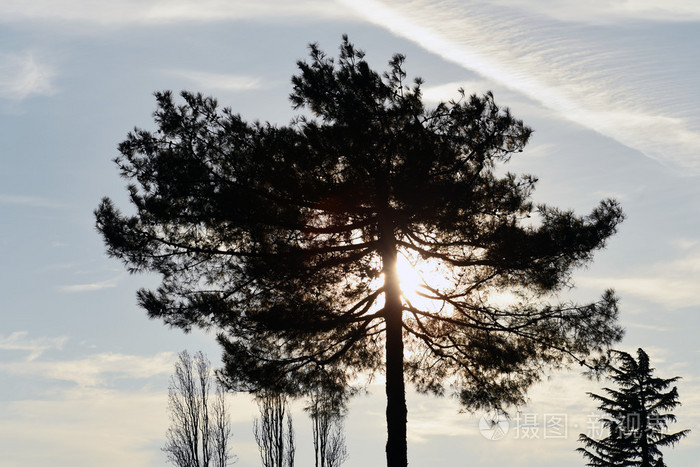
[
  {"x": 418, "y": 276},
  {"x": 415, "y": 276},
  {"x": 408, "y": 275}
]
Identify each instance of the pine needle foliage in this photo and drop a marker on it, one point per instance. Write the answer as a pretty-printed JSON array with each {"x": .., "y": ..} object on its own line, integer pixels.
[
  {"x": 285, "y": 240},
  {"x": 636, "y": 416}
]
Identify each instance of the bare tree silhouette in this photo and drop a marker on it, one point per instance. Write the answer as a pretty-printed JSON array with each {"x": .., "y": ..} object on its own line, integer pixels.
[
  {"x": 200, "y": 429},
  {"x": 327, "y": 412},
  {"x": 274, "y": 432}
]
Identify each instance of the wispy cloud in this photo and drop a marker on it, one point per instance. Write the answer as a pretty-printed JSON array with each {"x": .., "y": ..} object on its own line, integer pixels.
[
  {"x": 648, "y": 327},
  {"x": 35, "y": 346},
  {"x": 673, "y": 284},
  {"x": 90, "y": 286},
  {"x": 256, "y": 9},
  {"x": 672, "y": 292},
  {"x": 148, "y": 12},
  {"x": 448, "y": 91},
  {"x": 113, "y": 414},
  {"x": 218, "y": 81},
  {"x": 607, "y": 11},
  {"x": 29, "y": 201},
  {"x": 22, "y": 75},
  {"x": 623, "y": 84},
  {"x": 85, "y": 426},
  {"x": 93, "y": 370},
  {"x": 432, "y": 417},
  {"x": 109, "y": 427}
]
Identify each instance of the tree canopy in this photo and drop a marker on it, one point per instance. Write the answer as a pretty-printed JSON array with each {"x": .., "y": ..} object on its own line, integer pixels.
[
  {"x": 285, "y": 239},
  {"x": 635, "y": 415}
]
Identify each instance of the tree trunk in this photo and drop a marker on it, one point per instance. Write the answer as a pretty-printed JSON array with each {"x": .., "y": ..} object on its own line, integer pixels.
[{"x": 396, "y": 412}]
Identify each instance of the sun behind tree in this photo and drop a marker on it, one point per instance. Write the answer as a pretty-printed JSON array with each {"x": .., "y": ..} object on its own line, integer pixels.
[
  {"x": 417, "y": 277},
  {"x": 275, "y": 236}
]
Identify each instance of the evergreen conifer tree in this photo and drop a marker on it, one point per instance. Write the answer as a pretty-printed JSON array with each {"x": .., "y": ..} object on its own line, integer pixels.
[
  {"x": 636, "y": 416},
  {"x": 286, "y": 240}
]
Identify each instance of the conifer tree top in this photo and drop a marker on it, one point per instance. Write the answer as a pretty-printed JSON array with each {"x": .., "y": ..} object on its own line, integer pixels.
[
  {"x": 636, "y": 414},
  {"x": 278, "y": 237}
]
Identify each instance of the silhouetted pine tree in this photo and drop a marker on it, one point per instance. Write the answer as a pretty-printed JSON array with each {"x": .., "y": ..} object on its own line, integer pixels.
[
  {"x": 286, "y": 240},
  {"x": 636, "y": 416}
]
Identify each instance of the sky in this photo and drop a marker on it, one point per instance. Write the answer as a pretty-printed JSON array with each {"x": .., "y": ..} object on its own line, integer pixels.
[{"x": 609, "y": 86}]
